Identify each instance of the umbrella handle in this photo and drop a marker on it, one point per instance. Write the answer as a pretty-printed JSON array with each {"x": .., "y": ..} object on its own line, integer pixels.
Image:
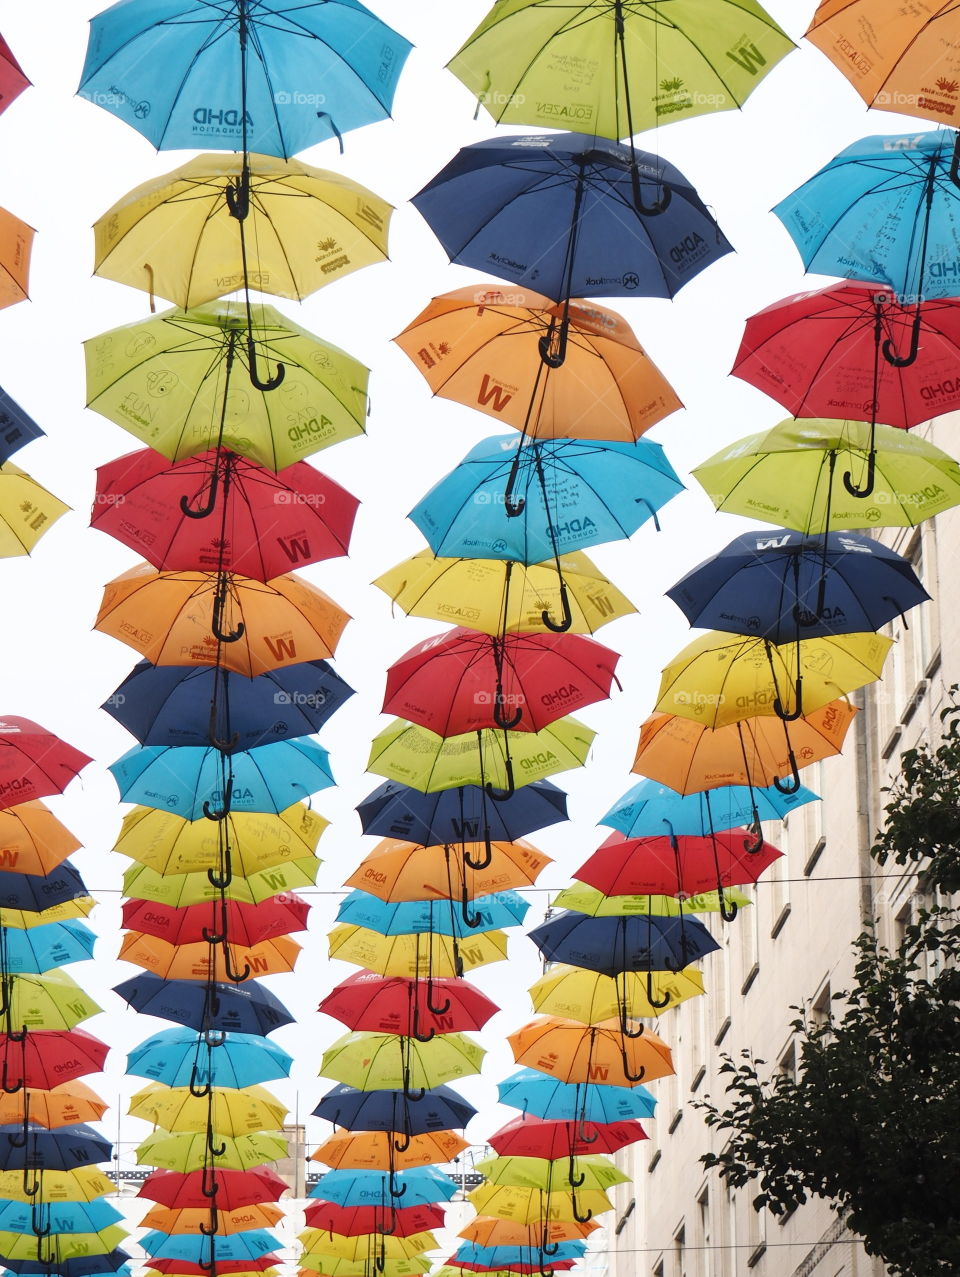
[
  {"x": 216, "y": 620},
  {"x": 214, "y": 1223},
  {"x": 867, "y": 488},
  {"x": 441, "y": 1010},
  {"x": 499, "y": 717},
  {"x": 402, "y": 1145},
  {"x": 209, "y": 1176},
  {"x": 647, "y": 210},
  {"x": 35, "y": 1225},
  {"x": 484, "y": 861},
  {"x": 752, "y": 845},
  {"x": 471, "y": 920},
  {"x": 416, "y": 1095},
  {"x": 631, "y": 1077},
  {"x": 392, "y": 1185},
  {"x": 795, "y": 714},
  {"x": 727, "y": 912},
  {"x": 204, "y": 511},
  {"x": 581, "y": 1219},
  {"x": 18, "y": 1035},
  {"x": 27, "y": 1189},
  {"x": 625, "y": 1030},
  {"x": 238, "y": 196},
  {"x": 261, "y": 383},
  {"x": 420, "y": 1037},
  {"x": 654, "y": 1002},
  {"x": 793, "y": 784},
  {"x": 513, "y": 506},
  {"x": 212, "y": 814},
  {"x": 216, "y": 1150},
  {"x": 553, "y": 344},
  {"x": 584, "y": 1137},
  {"x": 220, "y": 881},
  {"x": 566, "y": 621},
  {"x": 235, "y": 977},
  {"x": 547, "y": 1247},
  {"x": 214, "y": 1037},
  {"x": 575, "y": 1181},
  {"x": 501, "y": 795},
  {"x": 20, "y": 1139},
  {"x": 198, "y": 1093},
  {"x": 547, "y": 1272}
]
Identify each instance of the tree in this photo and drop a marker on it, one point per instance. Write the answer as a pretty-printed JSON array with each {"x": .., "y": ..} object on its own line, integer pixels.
[{"x": 869, "y": 1121}]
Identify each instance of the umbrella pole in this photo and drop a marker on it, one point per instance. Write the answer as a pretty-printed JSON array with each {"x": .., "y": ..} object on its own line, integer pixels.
[
  {"x": 659, "y": 205},
  {"x": 566, "y": 618},
  {"x": 500, "y": 716},
  {"x": 784, "y": 715},
  {"x": 512, "y": 505}
]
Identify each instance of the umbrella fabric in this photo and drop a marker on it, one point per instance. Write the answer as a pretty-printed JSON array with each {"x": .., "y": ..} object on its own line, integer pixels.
[
  {"x": 264, "y": 1264},
  {"x": 248, "y": 1008},
  {"x": 378, "y": 1061},
  {"x": 54, "y": 1001},
  {"x": 196, "y": 888},
  {"x": 544, "y": 1096},
  {"x": 332, "y": 1266},
  {"x": 75, "y": 1266},
  {"x": 46, "y": 1058},
  {"x": 487, "y": 913},
  {"x": 195, "y": 1220},
  {"x": 864, "y": 215},
  {"x": 525, "y": 1205},
  {"x": 649, "y": 808},
  {"x": 610, "y": 488},
  {"x": 415, "y": 956},
  {"x": 574, "y": 1052},
  {"x": 374, "y": 1150},
  {"x": 538, "y": 1172},
  {"x": 84, "y": 1184},
  {"x": 397, "y": 870},
  {"x": 17, "y": 427},
  {"x": 177, "y": 1057},
  {"x": 782, "y": 585},
  {"x": 55, "y": 944},
  {"x": 60, "y": 1217},
  {"x": 424, "y": 1185},
  {"x": 256, "y": 523},
  {"x": 90, "y": 1245},
  {"x": 180, "y": 381},
  {"x": 66, "y": 911},
  {"x": 245, "y": 924},
  {"x": 250, "y": 1245},
  {"x": 487, "y": 1230},
  {"x": 614, "y": 945},
  {"x": 169, "y": 617},
  {"x": 497, "y": 597},
  {"x": 792, "y": 475},
  {"x": 519, "y": 207},
  {"x": 691, "y": 757},
  {"x": 27, "y": 510},
  {"x": 314, "y": 1241},
  {"x": 396, "y": 1004},
  {"x": 676, "y": 864},
  {"x": 480, "y": 346},
  {"x": 701, "y": 57},
  {"x": 355, "y": 1221},
  {"x": 831, "y": 353},
  {"x": 416, "y": 756},
  {"x": 12, "y": 79},
  {"x": 463, "y": 681},
  {"x": 204, "y": 961},
  {"x": 175, "y": 235},
  {"x": 63, "y": 1105},
  {"x": 258, "y": 840},
  {"x": 488, "y": 1258},
  {"x": 583, "y": 899},
  {"x": 234, "y": 1188},
  {"x": 455, "y": 815},
  {"x": 188, "y": 780},
  {"x": 440, "y": 1108},
  {"x": 188, "y": 1150},
  {"x": 179, "y": 57},
  {"x": 16, "y": 244},
  {"x": 589, "y": 997},
  {"x": 34, "y": 762},
  {"x": 527, "y": 1136},
  {"x": 61, "y": 1150},
  {"x": 32, "y": 840},
  {"x": 241, "y": 1112}
]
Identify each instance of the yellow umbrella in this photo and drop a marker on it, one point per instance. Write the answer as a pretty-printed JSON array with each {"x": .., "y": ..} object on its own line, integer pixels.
[
  {"x": 27, "y": 510},
  {"x": 235, "y": 1112},
  {"x": 531, "y": 1205},
  {"x": 415, "y": 956},
  {"x": 186, "y": 1151},
  {"x": 319, "y": 1241},
  {"x": 589, "y": 997},
  {"x": 203, "y": 961},
  {"x": 591, "y": 900},
  {"x": 51, "y": 1001},
  {"x": 82, "y": 1185},
  {"x": 72, "y": 1245},
  {"x": 334, "y": 1266},
  {"x": 196, "y": 888},
  {"x": 389, "y": 1061},
  {"x": 24, "y": 919},
  {"x": 196, "y": 1221}
]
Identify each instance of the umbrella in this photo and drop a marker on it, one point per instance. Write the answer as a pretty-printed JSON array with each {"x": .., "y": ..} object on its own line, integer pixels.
[
  {"x": 376, "y": 1150},
  {"x": 182, "y": 1057},
  {"x": 199, "y": 1220},
  {"x": 29, "y": 952},
  {"x": 249, "y": 1245},
  {"x": 194, "y": 782},
  {"x": 544, "y": 1096},
  {"x": 397, "y": 1004},
  {"x": 439, "y": 1108},
  {"x": 332, "y": 1266},
  {"x": 201, "y": 960},
  {"x": 575, "y": 1052},
  {"x": 462, "y": 680},
  {"x": 583, "y": 899},
  {"x": 593, "y": 1171},
  {"x": 234, "y": 1188},
  {"x": 267, "y": 524},
  {"x": 355, "y": 1221},
  {"x": 488, "y": 1230},
  {"x": 24, "y": 919},
  {"x": 416, "y": 956},
  {"x": 787, "y": 476},
  {"x": 481, "y": 346},
  {"x": 589, "y": 997},
  {"x": 232, "y": 1112},
  {"x": 510, "y": 500},
  {"x": 190, "y": 1150},
  {"x": 398, "y": 870},
  {"x": 42, "y": 1218},
  {"x": 649, "y": 808},
  {"x": 315, "y": 1241},
  {"x": 12, "y": 79},
  {"x": 489, "y": 1258},
  {"x": 16, "y": 244},
  {"x": 74, "y": 1266},
  {"x": 46, "y": 1058},
  {"x": 45, "y": 1252},
  {"x": 379, "y": 1061},
  {"x": 84, "y": 1184},
  {"x": 183, "y": 382},
  {"x": 526, "y": 1205},
  {"x": 456, "y": 815},
  {"x": 246, "y": 924},
  {"x": 27, "y": 510},
  {"x": 17, "y": 427},
  {"x": 177, "y": 237},
  {"x": 53, "y": 1002},
  {"x": 260, "y": 63},
  {"x": 421, "y": 1186},
  {"x": 181, "y": 890},
  {"x": 248, "y": 1008},
  {"x": 614, "y": 945},
  {"x": 418, "y": 757},
  {"x": 34, "y": 762},
  {"x": 32, "y": 840},
  {"x": 362, "y": 909},
  {"x": 62, "y": 1105},
  {"x": 647, "y": 68},
  {"x": 497, "y": 596},
  {"x": 206, "y": 618},
  {"x": 64, "y": 1149},
  {"x": 527, "y": 1136},
  {"x": 573, "y": 216}
]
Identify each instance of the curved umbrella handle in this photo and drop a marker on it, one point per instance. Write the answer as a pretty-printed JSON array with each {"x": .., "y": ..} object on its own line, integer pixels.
[
  {"x": 727, "y": 912},
  {"x": 204, "y": 511},
  {"x": 18, "y": 1035},
  {"x": 392, "y": 1185},
  {"x": 209, "y": 1185},
  {"x": 581, "y": 1219},
  {"x": 553, "y": 344},
  {"x": 36, "y": 1226},
  {"x": 224, "y": 745},
  {"x": 216, "y": 1150},
  {"x": 583, "y": 1136},
  {"x": 219, "y": 937},
  {"x": 513, "y": 506},
  {"x": 646, "y": 210},
  {"x": 547, "y": 1247},
  {"x": 262, "y": 383},
  {"x": 625, "y": 1029},
  {"x": 793, "y": 784},
  {"x": 752, "y": 845},
  {"x": 235, "y": 977},
  {"x": 868, "y": 486},
  {"x": 198, "y": 1092},
  {"x": 441, "y": 1010},
  {"x": 890, "y": 351},
  {"x": 221, "y": 815},
  {"x": 794, "y": 714},
  {"x": 547, "y": 1272},
  {"x": 380, "y": 1261},
  {"x": 214, "y": 1037},
  {"x": 216, "y": 621},
  {"x": 500, "y": 717},
  {"x": 471, "y": 920},
  {"x": 654, "y": 1002},
  {"x": 566, "y": 618},
  {"x": 28, "y": 1189},
  {"x": 501, "y": 795},
  {"x": 238, "y": 194},
  {"x": 220, "y": 881},
  {"x": 416, "y": 1094},
  {"x": 5, "y": 1081},
  {"x": 631, "y": 1077},
  {"x": 214, "y": 1222},
  {"x": 20, "y": 1139},
  {"x": 419, "y": 1037},
  {"x": 402, "y": 1144},
  {"x": 575, "y": 1181},
  {"x": 484, "y": 861}
]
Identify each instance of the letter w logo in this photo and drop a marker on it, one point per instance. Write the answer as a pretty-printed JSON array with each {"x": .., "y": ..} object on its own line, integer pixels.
[
  {"x": 281, "y": 649},
  {"x": 749, "y": 57},
  {"x": 296, "y": 550},
  {"x": 492, "y": 394},
  {"x": 466, "y": 830},
  {"x": 599, "y": 1072}
]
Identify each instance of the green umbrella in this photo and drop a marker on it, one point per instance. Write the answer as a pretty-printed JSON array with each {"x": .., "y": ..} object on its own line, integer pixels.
[
  {"x": 584, "y": 899},
  {"x": 389, "y": 1061},
  {"x": 597, "y": 1172}
]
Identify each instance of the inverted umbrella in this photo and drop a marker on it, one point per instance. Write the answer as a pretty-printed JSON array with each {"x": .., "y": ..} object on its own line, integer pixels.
[
  {"x": 34, "y": 762},
  {"x": 376, "y": 1150},
  {"x": 247, "y": 1008},
  {"x": 233, "y": 1112},
  {"x": 488, "y": 913},
  {"x": 590, "y": 997},
  {"x": 396, "y": 1004},
  {"x": 399, "y": 870},
  {"x": 465, "y": 813},
  {"x": 439, "y": 1108},
  {"x": 354, "y": 1221},
  {"x": 378, "y": 1061},
  {"x": 245, "y": 924},
  {"x": 419, "y": 956},
  {"x": 190, "y": 1151},
  {"x": 418, "y": 1187},
  {"x": 234, "y": 1188},
  {"x": 575, "y": 1052}
]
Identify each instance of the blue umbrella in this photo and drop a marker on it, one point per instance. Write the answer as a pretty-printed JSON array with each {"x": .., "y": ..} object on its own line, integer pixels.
[
  {"x": 529, "y": 502},
  {"x": 488, "y": 913},
  {"x": 249, "y": 1245},
  {"x": 243, "y": 74},
  {"x": 440, "y": 1108},
  {"x": 886, "y": 209},
  {"x": 649, "y": 808},
  {"x": 494, "y": 1257},
  {"x": 570, "y": 215},
  {"x": 63, "y": 1149},
  {"x": 37, "y": 949},
  {"x": 183, "y": 1057},
  {"x": 545, "y": 1097},
  {"x": 184, "y": 704},
  {"x": 16, "y": 427},
  {"x": 58, "y": 1217},
  {"x": 193, "y": 782},
  {"x": 463, "y": 814},
  {"x": 36, "y": 892},
  {"x": 418, "y": 1187},
  {"x": 246, "y": 1008},
  {"x": 111, "y": 1264},
  {"x": 783, "y": 586}
]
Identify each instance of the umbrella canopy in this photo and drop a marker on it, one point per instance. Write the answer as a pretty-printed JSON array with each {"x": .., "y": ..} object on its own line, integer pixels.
[
  {"x": 189, "y": 1150},
  {"x": 526, "y": 1205},
  {"x": 182, "y": 1057},
  {"x": 19, "y": 428},
  {"x": 589, "y": 997},
  {"x": 488, "y": 1230},
  {"x": 195, "y": 1221},
  {"x": 465, "y": 812},
  {"x": 396, "y": 1004},
  {"x": 196, "y": 888},
  {"x": 481, "y": 346},
  {"x": 574, "y": 1052},
  {"x": 260, "y": 62},
  {"x": 499, "y": 596},
  {"x": 509, "y": 500},
  {"x": 240, "y": 1112},
  {"x": 27, "y": 510},
  {"x": 355, "y": 1221},
  {"x": 421, "y": 1186},
  {"x": 544, "y": 1096},
  {"x": 12, "y": 79},
  {"x": 84, "y": 1184},
  {"x": 398, "y": 870},
  {"x": 62, "y": 1105},
  {"x": 16, "y": 244},
  {"x": 584, "y": 899},
  {"x": 248, "y": 1008},
  {"x": 419, "y": 956},
  {"x": 249, "y": 1245},
  {"x": 34, "y": 762},
  {"x": 32, "y": 840},
  {"x": 47, "y": 1058},
  {"x": 488, "y": 913},
  {"x": 488, "y": 1258},
  {"x": 55, "y": 944},
  {"x": 439, "y": 1108},
  {"x": 24, "y": 919},
  {"x": 614, "y": 945},
  {"x": 245, "y": 924},
  {"x": 649, "y": 808},
  {"x": 174, "y": 618},
  {"x": 316, "y": 1241},
  {"x": 63, "y": 1149},
  {"x": 573, "y": 216},
  {"x": 54, "y": 1001},
  {"x": 75, "y": 1266},
  {"x": 537, "y": 1172},
  {"x": 463, "y": 681},
  {"x": 676, "y": 864},
  {"x": 527, "y": 1136},
  {"x": 204, "y": 960},
  {"x": 59, "y": 1217},
  {"x": 234, "y": 1188},
  {"x": 333, "y": 1266},
  {"x": 89, "y": 1245},
  {"x": 379, "y": 1061},
  {"x": 175, "y": 235},
  {"x": 375, "y": 1150}
]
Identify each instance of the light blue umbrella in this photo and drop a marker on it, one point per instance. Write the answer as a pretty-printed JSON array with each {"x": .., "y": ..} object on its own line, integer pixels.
[
  {"x": 441, "y": 917},
  {"x": 193, "y": 782},
  {"x": 418, "y": 1187},
  {"x": 494, "y": 1257},
  {"x": 38, "y": 949},
  {"x": 544, "y": 1096},
  {"x": 249, "y": 1245},
  {"x": 649, "y": 808},
  {"x": 528, "y": 502},
  {"x": 58, "y": 1217},
  {"x": 178, "y": 72},
  {"x": 184, "y": 1057}
]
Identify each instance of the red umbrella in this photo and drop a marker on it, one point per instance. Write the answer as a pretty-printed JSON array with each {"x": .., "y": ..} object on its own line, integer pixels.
[
  {"x": 681, "y": 865},
  {"x": 34, "y": 762},
  {"x": 417, "y": 1008},
  {"x": 220, "y": 510},
  {"x": 45, "y": 1058},
  {"x": 244, "y": 924},
  {"x": 356, "y": 1221},
  {"x": 12, "y": 79},
  {"x": 234, "y": 1188},
  {"x": 463, "y": 681},
  {"x": 529, "y": 1136}
]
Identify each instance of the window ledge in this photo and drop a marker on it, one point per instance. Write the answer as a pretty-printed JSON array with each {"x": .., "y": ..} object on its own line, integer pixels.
[
  {"x": 778, "y": 926},
  {"x": 750, "y": 977},
  {"x": 698, "y": 1077},
  {"x": 722, "y": 1031},
  {"x": 818, "y": 850},
  {"x": 892, "y": 741},
  {"x": 756, "y": 1255}
]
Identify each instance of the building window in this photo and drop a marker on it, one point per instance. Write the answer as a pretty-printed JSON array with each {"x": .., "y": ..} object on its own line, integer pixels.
[
  {"x": 703, "y": 1209},
  {"x": 679, "y": 1252}
]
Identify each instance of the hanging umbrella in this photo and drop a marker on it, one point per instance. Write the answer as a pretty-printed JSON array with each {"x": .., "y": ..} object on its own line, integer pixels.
[
  {"x": 245, "y": 924},
  {"x": 249, "y": 1245},
  {"x": 54, "y": 1001},
  {"x": 43, "y": 1218},
  {"x": 33, "y": 840},
  {"x": 488, "y": 913},
  {"x": 456, "y": 815},
  {"x": 574, "y": 1052},
  {"x": 315, "y": 1241},
  {"x": 589, "y": 997},
  {"x": 207, "y": 960},
  {"x": 355, "y": 1221},
  {"x": 62, "y": 1105},
  {"x": 44, "y": 1252},
  {"x": 24, "y": 919},
  {"x": 190, "y": 1151},
  {"x": 489, "y": 1258},
  {"x": 397, "y": 1004},
  {"x": 18, "y": 427},
  {"x": 55, "y": 944},
  {"x": 649, "y": 808},
  {"x": 416, "y": 956},
  {"x": 378, "y": 1061},
  {"x": 463, "y": 681},
  {"x": 421, "y": 1186},
  {"x": 439, "y": 1108},
  {"x": 46, "y": 1058},
  {"x": 597, "y": 1172},
  {"x": 16, "y": 244},
  {"x": 27, "y": 510},
  {"x": 481, "y": 346},
  {"x": 182, "y": 890},
  {"x": 235, "y": 1189},
  {"x": 332, "y": 1266},
  {"x": 526, "y": 1205},
  {"x": 614, "y": 945},
  {"x": 497, "y": 597},
  {"x": 488, "y": 1230},
  {"x": 218, "y": 1007},
  {"x": 583, "y": 899},
  {"x": 203, "y": 618},
  {"x": 261, "y": 61},
  {"x": 34, "y": 762},
  {"x": 376, "y": 1150},
  {"x": 186, "y": 382},
  {"x": 195, "y": 1221},
  {"x": 12, "y": 79},
  {"x": 84, "y": 1184},
  {"x": 573, "y": 216},
  {"x": 397, "y": 870},
  {"x": 75, "y": 1265},
  {"x": 647, "y": 67},
  {"x": 527, "y": 1136},
  {"x": 240, "y": 1112},
  {"x": 64, "y": 1149},
  {"x": 544, "y": 1096}
]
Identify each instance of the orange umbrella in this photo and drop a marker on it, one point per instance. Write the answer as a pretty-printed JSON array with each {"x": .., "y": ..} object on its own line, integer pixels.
[
  {"x": 64, "y": 1105},
  {"x": 16, "y": 241},
  {"x": 481, "y": 346},
  {"x": 756, "y": 751},
  {"x": 199, "y": 961},
  {"x": 196, "y": 1220},
  {"x": 32, "y": 840},
  {"x": 377, "y": 1150},
  {"x": 599, "y": 1053},
  {"x": 397, "y": 870},
  {"x": 174, "y": 618},
  {"x": 491, "y": 1230}
]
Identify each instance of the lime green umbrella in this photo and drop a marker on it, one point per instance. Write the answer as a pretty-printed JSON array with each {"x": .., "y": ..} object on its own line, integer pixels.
[
  {"x": 597, "y": 1171},
  {"x": 179, "y": 890},
  {"x": 615, "y": 67},
  {"x": 792, "y": 476},
  {"x": 335, "y": 1266},
  {"x": 389, "y": 1061},
  {"x": 53, "y": 1000},
  {"x": 584, "y": 899},
  {"x": 25, "y": 1245},
  {"x": 186, "y": 1151}
]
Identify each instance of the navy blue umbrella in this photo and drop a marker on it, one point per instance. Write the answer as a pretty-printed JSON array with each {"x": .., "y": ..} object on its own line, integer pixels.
[
  {"x": 200, "y": 705},
  {"x": 247, "y": 1008},
  {"x": 782, "y": 585},
  {"x": 439, "y": 1109},
  {"x": 16, "y": 427},
  {"x": 76, "y": 1266},
  {"x": 463, "y": 814},
  {"x": 63, "y": 1149},
  {"x": 36, "y": 892}
]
